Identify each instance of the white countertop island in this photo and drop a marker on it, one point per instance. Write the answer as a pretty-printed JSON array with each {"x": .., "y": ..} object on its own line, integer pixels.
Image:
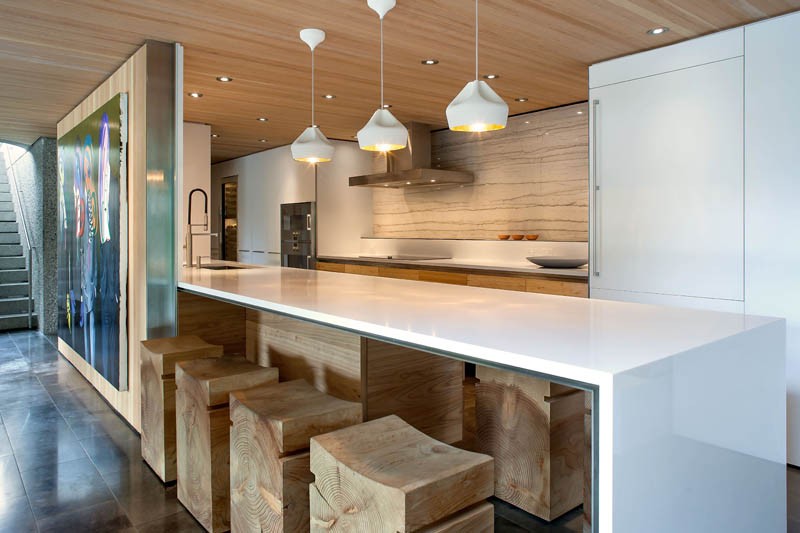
[{"x": 689, "y": 405}]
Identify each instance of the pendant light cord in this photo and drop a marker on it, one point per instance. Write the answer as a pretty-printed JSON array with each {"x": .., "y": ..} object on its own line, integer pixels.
[
  {"x": 313, "y": 123},
  {"x": 381, "y": 62},
  {"x": 476, "y": 41}
]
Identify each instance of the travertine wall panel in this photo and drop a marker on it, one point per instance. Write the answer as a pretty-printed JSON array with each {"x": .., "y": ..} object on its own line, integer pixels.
[{"x": 531, "y": 177}]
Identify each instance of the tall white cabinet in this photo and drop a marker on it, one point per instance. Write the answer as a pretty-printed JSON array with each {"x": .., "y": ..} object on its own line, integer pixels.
[
  {"x": 667, "y": 182},
  {"x": 772, "y": 189},
  {"x": 695, "y": 179}
]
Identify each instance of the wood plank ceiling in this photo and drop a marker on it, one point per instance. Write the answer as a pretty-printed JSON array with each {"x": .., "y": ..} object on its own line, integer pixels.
[{"x": 54, "y": 52}]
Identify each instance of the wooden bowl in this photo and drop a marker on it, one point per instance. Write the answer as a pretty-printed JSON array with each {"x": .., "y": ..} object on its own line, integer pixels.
[
  {"x": 503, "y": 237},
  {"x": 531, "y": 237},
  {"x": 517, "y": 237}
]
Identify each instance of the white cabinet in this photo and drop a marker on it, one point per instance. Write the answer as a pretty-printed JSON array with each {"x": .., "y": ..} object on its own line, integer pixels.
[
  {"x": 772, "y": 189},
  {"x": 667, "y": 179}
]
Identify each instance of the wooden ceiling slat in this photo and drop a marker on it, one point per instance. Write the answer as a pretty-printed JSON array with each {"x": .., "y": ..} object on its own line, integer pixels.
[{"x": 54, "y": 52}]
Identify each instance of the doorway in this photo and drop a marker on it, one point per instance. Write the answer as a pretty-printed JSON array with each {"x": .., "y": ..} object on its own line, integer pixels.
[{"x": 225, "y": 221}]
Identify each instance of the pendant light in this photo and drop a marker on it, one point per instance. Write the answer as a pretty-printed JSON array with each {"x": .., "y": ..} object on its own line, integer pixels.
[
  {"x": 383, "y": 132},
  {"x": 477, "y": 107},
  {"x": 312, "y": 146}
]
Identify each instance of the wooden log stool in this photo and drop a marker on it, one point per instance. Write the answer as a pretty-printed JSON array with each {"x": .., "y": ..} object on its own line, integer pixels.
[
  {"x": 534, "y": 430},
  {"x": 270, "y": 432},
  {"x": 158, "y": 397},
  {"x": 203, "y": 433},
  {"x": 386, "y": 476}
]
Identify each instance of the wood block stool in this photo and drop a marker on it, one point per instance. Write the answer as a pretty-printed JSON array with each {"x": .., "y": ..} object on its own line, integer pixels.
[
  {"x": 203, "y": 433},
  {"x": 270, "y": 432},
  {"x": 158, "y": 397},
  {"x": 534, "y": 430},
  {"x": 386, "y": 476}
]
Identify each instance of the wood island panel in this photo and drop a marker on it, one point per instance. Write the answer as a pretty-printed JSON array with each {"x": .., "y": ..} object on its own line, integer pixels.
[
  {"x": 213, "y": 321},
  {"x": 330, "y": 267},
  {"x": 398, "y": 273},
  {"x": 440, "y": 276}
]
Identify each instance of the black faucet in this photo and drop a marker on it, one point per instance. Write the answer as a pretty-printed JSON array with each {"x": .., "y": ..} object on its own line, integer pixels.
[
  {"x": 205, "y": 207},
  {"x": 189, "y": 226}
]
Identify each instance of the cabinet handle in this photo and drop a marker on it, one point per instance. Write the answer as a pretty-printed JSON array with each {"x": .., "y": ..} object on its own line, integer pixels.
[
  {"x": 595, "y": 189},
  {"x": 308, "y": 222}
]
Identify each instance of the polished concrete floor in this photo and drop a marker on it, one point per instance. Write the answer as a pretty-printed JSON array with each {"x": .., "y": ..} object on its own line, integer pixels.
[{"x": 69, "y": 463}]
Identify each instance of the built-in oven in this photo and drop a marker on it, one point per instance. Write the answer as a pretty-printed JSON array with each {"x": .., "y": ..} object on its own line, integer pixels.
[{"x": 298, "y": 235}]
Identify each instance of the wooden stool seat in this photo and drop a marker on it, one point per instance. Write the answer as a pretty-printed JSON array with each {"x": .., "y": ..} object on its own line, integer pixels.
[
  {"x": 270, "y": 432},
  {"x": 158, "y": 358},
  {"x": 384, "y": 475},
  {"x": 203, "y": 436}
]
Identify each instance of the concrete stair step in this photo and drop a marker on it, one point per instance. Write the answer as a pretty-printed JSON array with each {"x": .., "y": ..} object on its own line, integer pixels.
[
  {"x": 12, "y": 263},
  {"x": 14, "y": 306},
  {"x": 10, "y": 250},
  {"x": 13, "y": 276},
  {"x": 9, "y": 238},
  {"x": 8, "y": 216},
  {"x": 6, "y": 205},
  {"x": 17, "y": 321},
  {"x": 10, "y": 290},
  {"x": 9, "y": 227}
]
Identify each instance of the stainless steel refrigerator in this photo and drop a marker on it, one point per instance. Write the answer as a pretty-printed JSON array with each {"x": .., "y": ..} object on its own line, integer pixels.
[{"x": 298, "y": 235}]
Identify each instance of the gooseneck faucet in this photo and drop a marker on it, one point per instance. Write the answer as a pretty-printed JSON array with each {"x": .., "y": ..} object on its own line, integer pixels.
[{"x": 189, "y": 225}]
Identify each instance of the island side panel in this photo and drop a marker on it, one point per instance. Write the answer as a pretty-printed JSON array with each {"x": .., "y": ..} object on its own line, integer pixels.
[
  {"x": 213, "y": 321},
  {"x": 703, "y": 432}
]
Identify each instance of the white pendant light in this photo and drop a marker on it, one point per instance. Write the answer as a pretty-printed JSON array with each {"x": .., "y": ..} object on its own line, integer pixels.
[
  {"x": 477, "y": 107},
  {"x": 383, "y": 132},
  {"x": 312, "y": 146}
]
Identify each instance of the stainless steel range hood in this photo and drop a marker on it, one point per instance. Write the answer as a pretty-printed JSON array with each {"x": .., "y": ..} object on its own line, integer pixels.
[{"x": 411, "y": 167}]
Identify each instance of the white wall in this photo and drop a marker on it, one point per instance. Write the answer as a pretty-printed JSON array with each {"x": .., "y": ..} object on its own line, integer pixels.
[
  {"x": 271, "y": 178},
  {"x": 196, "y": 174}
]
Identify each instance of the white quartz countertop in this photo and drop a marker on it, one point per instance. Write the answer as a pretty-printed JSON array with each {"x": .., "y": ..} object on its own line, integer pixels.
[
  {"x": 524, "y": 267},
  {"x": 573, "y": 338}
]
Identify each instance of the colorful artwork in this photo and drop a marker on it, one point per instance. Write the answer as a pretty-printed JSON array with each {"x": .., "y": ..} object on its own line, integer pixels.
[{"x": 93, "y": 240}]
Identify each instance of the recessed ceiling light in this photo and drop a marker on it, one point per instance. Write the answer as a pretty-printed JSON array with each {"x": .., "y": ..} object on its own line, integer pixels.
[
  {"x": 329, "y": 96},
  {"x": 408, "y": 183},
  {"x": 433, "y": 181},
  {"x": 491, "y": 76},
  {"x": 657, "y": 31},
  {"x": 521, "y": 99},
  {"x": 224, "y": 79},
  {"x": 215, "y": 135},
  {"x": 262, "y": 140},
  {"x": 196, "y": 95},
  {"x": 527, "y": 122},
  {"x": 429, "y": 61},
  {"x": 386, "y": 106},
  {"x": 580, "y": 112},
  {"x": 262, "y": 119}
]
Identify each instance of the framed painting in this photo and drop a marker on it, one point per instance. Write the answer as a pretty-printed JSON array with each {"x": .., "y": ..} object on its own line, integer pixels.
[{"x": 93, "y": 240}]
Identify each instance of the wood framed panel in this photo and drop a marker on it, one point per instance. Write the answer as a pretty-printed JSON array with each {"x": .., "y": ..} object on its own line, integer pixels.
[{"x": 213, "y": 321}]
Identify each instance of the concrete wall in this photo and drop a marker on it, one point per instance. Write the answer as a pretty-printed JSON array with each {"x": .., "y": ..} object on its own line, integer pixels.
[{"x": 36, "y": 173}]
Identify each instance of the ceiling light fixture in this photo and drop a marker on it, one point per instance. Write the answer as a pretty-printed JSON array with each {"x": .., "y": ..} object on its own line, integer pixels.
[
  {"x": 657, "y": 31},
  {"x": 580, "y": 112},
  {"x": 312, "y": 146},
  {"x": 195, "y": 95},
  {"x": 329, "y": 96},
  {"x": 477, "y": 107},
  {"x": 491, "y": 76},
  {"x": 521, "y": 99},
  {"x": 215, "y": 136},
  {"x": 430, "y": 61},
  {"x": 386, "y": 106},
  {"x": 383, "y": 132},
  {"x": 224, "y": 79},
  {"x": 262, "y": 119},
  {"x": 262, "y": 140}
]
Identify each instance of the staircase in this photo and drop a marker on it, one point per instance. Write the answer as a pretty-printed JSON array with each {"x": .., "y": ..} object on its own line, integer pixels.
[{"x": 13, "y": 265}]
